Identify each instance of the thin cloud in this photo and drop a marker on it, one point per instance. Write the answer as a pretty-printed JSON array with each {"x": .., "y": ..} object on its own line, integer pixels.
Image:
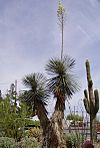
[{"x": 29, "y": 36}]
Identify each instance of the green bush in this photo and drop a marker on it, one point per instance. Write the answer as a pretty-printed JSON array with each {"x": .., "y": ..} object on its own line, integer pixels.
[
  {"x": 6, "y": 142},
  {"x": 32, "y": 122},
  {"x": 28, "y": 143},
  {"x": 74, "y": 117},
  {"x": 12, "y": 121},
  {"x": 35, "y": 133},
  {"x": 73, "y": 140}
]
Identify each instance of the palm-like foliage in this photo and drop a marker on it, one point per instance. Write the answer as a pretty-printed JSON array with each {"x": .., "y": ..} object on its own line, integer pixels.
[
  {"x": 36, "y": 96},
  {"x": 62, "y": 82},
  {"x": 37, "y": 92}
]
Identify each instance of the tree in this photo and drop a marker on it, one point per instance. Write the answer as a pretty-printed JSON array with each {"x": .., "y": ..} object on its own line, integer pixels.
[
  {"x": 74, "y": 117},
  {"x": 37, "y": 96},
  {"x": 12, "y": 123},
  {"x": 62, "y": 82},
  {"x": 13, "y": 94},
  {"x": 63, "y": 85}
]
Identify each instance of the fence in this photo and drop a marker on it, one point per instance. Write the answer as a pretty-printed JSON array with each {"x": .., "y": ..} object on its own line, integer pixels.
[{"x": 83, "y": 129}]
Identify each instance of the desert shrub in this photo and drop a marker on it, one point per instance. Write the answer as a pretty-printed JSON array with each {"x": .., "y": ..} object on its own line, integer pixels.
[
  {"x": 32, "y": 122},
  {"x": 35, "y": 133},
  {"x": 74, "y": 117},
  {"x": 73, "y": 140},
  {"x": 28, "y": 143},
  {"x": 6, "y": 142},
  {"x": 1, "y": 133},
  {"x": 12, "y": 122}
]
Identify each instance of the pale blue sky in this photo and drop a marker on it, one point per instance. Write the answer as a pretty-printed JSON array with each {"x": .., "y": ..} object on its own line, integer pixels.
[{"x": 30, "y": 35}]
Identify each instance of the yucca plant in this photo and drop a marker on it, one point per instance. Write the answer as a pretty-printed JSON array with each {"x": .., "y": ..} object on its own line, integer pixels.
[
  {"x": 37, "y": 95},
  {"x": 62, "y": 83}
]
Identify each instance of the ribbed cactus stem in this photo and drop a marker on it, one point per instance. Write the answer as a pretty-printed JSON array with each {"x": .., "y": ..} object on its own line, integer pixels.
[
  {"x": 91, "y": 102},
  {"x": 88, "y": 70},
  {"x": 89, "y": 80},
  {"x": 86, "y": 94},
  {"x": 86, "y": 106},
  {"x": 86, "y": 102},
  {"x": 96, "y": 95}
]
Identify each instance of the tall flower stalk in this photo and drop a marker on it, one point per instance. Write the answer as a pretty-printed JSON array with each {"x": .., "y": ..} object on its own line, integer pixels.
[{"x": 61, "y": 19}]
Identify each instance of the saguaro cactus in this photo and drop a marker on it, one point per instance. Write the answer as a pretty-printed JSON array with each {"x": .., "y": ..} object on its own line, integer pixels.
[{"x": 91, "y": 103}]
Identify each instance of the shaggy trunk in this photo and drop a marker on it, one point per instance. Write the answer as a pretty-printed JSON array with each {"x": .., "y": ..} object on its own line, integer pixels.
[
  {"x": 49, "y": 134},
  {"x": 52, "y": 129},
  {"x": 53, "y": 136},
  {"x": 50, "y": 137},
  {"x": 57, "y": 122},
  {"x": 42, "y": 115}
]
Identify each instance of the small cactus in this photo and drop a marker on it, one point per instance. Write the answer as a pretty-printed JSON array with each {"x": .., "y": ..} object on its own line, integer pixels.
[{"x": 91, "y": 103}]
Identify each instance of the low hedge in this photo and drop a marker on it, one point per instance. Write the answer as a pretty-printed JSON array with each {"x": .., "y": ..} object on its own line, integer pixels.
[{"x": 6, "y": 142}]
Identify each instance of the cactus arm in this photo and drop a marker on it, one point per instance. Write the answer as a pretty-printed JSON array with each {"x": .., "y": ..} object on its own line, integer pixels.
[
  {"x": 86, "y": 105},
  {"x": 90, "y": 83},
  {"x": 88, "y": 71},
  {"x": 86, "y": 94},
  {"x": 86, "y": 101},
  {"x": 96, "y": 95}
]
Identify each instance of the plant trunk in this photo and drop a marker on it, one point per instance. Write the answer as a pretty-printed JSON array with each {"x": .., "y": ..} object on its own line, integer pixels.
[
  {"x": 54, "y": 133},
  {"x": 54, "y": 130},
  {"x": 93, "y": 134},
  {"x": 57, "y": 120},
  {"x": 42, "y": 115},
  {"x": 49, "y": 136}
]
